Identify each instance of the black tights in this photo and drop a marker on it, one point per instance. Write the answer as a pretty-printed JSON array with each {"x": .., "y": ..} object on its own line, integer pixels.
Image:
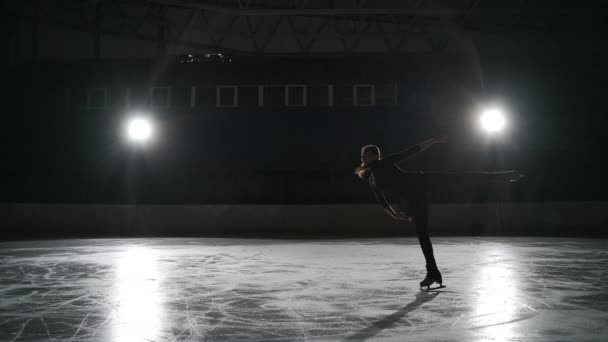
[
  {"x": 443, "y": 180},
  {"x": 418, "y": 208}
]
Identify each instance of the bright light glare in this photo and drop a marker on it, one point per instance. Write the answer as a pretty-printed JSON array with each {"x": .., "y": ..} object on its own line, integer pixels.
[
  {"x": 137, "y": 299},
  {"x": 139, "y": 129},
  {"x": 492, "y": 120}
]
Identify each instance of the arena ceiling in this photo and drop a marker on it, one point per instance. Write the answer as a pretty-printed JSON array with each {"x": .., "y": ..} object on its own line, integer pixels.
[{"x": 312, "y": 27}]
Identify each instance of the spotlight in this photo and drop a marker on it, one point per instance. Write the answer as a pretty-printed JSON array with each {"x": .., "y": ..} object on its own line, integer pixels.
[
  {"x": 492, "y": 120},
  {"x": 139, "y": 129}
]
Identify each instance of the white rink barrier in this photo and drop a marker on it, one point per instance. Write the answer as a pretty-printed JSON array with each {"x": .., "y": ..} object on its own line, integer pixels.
[{"x": 549, "y": 218}]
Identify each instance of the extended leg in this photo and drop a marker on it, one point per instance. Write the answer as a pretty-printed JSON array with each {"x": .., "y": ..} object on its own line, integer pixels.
[
  {"x": 441, "y": 183},
  {"x": 470, "y": 178}
]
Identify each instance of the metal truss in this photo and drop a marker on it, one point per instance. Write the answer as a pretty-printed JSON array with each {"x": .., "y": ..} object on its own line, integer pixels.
[{"x": 306, "y": 27}]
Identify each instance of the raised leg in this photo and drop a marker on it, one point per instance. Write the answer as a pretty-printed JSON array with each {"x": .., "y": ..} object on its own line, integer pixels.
[{"x": 435, "y": 179}]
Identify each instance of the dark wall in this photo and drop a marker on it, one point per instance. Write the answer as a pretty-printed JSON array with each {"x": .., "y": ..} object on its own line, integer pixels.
[{"x": 275, "y": 154}]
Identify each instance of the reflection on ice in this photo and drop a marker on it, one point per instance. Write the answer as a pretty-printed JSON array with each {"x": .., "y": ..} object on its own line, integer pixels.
[
  {"x": 138, "y": 299},
  {"x": 497, "y": 292}
]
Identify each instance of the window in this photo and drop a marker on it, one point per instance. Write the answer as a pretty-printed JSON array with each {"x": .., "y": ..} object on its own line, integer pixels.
[
  {"x": 295, "y": 95},
  {"x": 363, "y": 95},
  {"x": 385, "y": 94},
  {"x": 226, "y": 96},
  {"x": 160, "y": 96},
  {"x": 97, "y": 98},
  {"x": 325, "y": 94}
]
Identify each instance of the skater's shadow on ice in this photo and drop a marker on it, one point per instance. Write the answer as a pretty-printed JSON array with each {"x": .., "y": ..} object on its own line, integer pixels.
[{"x": 391, "y": 319}]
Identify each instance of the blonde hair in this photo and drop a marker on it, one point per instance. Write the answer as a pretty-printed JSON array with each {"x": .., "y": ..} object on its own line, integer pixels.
[{"x": 363, "y": 170}]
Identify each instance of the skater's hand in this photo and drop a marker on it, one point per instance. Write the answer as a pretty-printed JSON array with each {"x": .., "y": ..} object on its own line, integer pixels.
[{"x": 403, "y": 216}]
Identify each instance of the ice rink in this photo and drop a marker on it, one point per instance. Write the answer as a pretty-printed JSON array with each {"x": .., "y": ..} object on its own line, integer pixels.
[{"x": 498, "y": 289}]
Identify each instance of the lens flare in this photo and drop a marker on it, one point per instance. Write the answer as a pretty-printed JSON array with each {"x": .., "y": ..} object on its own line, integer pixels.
[
  {"x": 139, "y": 130},
  {"x": 492, "y": 120}
]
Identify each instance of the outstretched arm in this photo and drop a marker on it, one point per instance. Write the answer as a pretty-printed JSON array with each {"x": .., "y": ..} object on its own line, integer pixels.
[{"x": 414, "y": 150}]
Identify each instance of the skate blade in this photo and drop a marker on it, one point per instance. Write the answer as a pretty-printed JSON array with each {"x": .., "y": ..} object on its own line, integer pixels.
[{"x": 431, "y": 288}]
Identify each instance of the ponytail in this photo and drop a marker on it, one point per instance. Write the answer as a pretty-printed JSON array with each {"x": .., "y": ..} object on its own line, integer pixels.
[{"x": 362, "y": 171}]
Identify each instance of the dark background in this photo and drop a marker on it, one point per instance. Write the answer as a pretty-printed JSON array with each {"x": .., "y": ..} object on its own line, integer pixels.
[{"x": 553, "y": 89}]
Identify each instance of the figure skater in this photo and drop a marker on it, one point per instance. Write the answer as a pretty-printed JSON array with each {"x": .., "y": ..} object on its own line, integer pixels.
[{"x": 410, "y": 189}]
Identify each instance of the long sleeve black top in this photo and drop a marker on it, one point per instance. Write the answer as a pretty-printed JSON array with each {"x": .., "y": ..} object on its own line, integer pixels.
[{"x": 387, "y": 177}]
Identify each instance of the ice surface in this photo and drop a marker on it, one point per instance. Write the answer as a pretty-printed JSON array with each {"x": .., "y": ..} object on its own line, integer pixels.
[{"x": 501, "y": 289}]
